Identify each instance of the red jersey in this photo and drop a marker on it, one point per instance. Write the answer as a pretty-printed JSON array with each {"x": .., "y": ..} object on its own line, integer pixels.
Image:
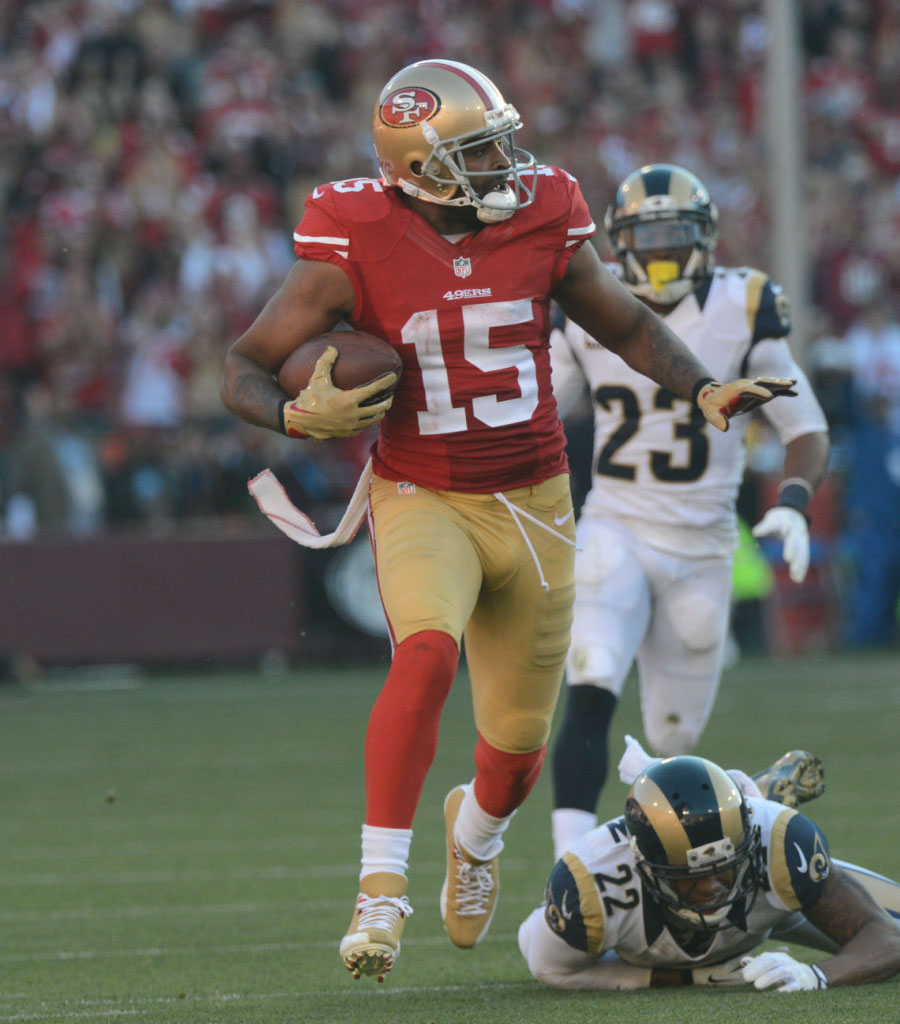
[{"x": 474, "y": 410}]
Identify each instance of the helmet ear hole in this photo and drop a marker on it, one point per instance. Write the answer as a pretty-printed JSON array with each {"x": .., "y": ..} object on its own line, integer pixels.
[{"x": 416, "y": 168}]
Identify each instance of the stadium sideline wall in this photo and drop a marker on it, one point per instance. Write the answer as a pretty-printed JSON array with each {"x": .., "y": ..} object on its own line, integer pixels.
[{"x": 172, "y": 601}]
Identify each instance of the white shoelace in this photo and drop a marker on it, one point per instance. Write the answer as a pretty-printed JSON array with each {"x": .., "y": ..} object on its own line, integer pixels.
[
  {"x": 474, "y": 885},
  {"x": 381, "y": 911},
  {"x": 515, "y": 512}
]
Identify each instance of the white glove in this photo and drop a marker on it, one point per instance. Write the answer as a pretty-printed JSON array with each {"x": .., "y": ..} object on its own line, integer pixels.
[
  {"x": 783, "y": 971},
  {"x": 728, "y": 973},
  {"x": 634, "y": 761},
  {"x": 790, "y": 525}
]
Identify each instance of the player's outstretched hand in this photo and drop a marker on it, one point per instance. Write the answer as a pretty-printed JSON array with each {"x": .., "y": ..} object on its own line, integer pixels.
[
  {"x": 321, "y": 410},
  {"x": 719, "y": 402},
  {"x": 782, "y": 971},
  {"x": 790, "y": 525}
]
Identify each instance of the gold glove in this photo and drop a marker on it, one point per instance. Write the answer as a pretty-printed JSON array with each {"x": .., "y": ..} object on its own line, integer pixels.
[
  {"x": 321, "y": 410},
  {"x": 719, "y": 402}
]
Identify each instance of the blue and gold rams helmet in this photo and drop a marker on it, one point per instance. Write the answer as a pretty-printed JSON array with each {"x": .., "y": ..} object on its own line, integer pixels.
[
  {"x": 662, "y": 227},
  {"x": 686, "y": 820}
]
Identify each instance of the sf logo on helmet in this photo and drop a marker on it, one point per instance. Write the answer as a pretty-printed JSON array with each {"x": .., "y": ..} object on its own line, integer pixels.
[{"x": 407, "y": 107}]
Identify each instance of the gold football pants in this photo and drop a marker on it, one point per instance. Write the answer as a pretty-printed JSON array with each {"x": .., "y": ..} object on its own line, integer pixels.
[{"x": 460, "y": 563}]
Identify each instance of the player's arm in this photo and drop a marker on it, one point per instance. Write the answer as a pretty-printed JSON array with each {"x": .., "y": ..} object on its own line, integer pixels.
[
  {"x": 805, "y": 464},
  {"x": 806, "y": 452},
  {"x": 802, "y": 874},
  {"x": 590, "y": 295},
  {"x": 800, "y": 424},
  {"x": 313, "y": 297},
  {"x": 806, "y": 458},
  {"x": 869, "y": 938}
]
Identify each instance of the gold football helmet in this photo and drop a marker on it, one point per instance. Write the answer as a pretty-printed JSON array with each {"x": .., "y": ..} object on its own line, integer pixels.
[
  {"x": 428, "y": 116},
  {"x": 687, "y": 819},
  {"x": 662, "y": 227}
]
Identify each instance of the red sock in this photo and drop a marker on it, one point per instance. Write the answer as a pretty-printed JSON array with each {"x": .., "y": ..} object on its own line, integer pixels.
[
  {"x": 403, "y": 728},
  {"x": 503, "y": 781}
]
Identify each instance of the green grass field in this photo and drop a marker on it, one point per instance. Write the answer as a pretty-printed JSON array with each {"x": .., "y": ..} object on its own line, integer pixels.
[{"x": 184, "y": 848}]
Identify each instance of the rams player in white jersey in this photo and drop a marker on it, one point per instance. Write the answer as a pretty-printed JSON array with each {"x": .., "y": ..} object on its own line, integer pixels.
[
  {"x": 658, "y": 528},
  {"x": 688, "y": 884}
]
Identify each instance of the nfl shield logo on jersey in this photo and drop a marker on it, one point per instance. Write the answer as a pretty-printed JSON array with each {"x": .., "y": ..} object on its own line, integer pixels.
[{"x": 462, "y": 266}]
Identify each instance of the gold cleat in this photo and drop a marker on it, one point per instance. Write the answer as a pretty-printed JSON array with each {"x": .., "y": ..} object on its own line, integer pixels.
[
  {"x": 372, "y": 943},
  {"x": 469, "y": 894}
]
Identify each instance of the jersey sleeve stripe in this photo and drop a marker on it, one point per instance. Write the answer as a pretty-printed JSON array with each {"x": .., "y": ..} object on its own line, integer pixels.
[
  {"x": 588, "y": 901},
  {"x": 778, "y": 866},
  {"x": 755, "y": 286},
  {"x": 320, "y": 239},
  {"x": 589, "y": 230}
]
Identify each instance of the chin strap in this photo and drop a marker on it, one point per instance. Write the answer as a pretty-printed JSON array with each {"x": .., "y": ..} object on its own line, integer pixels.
[{"x": 493, "y": 208}]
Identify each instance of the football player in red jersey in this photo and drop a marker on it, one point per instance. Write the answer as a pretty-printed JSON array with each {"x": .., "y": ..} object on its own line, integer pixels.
[{"x": 453, "y": 256}]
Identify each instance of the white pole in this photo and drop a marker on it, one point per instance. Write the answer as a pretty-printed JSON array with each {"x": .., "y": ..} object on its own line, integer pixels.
[{"x": 785, "y": 139}]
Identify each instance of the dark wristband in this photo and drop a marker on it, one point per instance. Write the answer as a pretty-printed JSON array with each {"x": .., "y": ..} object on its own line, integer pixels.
[
  {"x": 795, "y": 495},
  {"x": 698, "y": 387},
  {"x": 281, "y": 406}
]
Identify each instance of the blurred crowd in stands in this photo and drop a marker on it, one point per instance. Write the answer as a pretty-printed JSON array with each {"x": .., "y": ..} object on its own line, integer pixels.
[{"x": 155, "y": 155}]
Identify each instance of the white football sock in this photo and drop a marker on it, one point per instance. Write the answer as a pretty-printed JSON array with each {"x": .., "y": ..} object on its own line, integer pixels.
[
  {"x": 476, "y": 831},
  {"x": 568, "y": 825},
  {"x": 385, "y": 849}
]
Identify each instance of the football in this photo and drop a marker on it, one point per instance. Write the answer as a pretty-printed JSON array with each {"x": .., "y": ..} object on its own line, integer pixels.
[{"x": 361, "y": 358}]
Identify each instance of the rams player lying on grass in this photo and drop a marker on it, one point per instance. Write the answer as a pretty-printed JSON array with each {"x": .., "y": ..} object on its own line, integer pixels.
[{"x": 700, "y": 871}]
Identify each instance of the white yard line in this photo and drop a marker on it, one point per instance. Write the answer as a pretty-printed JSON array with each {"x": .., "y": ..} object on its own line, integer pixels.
[
  {"x": 87, "y": 1008},
  {"x": 297, "y": 870},
  {"x": 228, "y": 950}
]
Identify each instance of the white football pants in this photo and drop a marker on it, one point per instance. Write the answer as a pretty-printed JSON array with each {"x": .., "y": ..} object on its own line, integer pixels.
[{"x": 669, "y": 613}]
